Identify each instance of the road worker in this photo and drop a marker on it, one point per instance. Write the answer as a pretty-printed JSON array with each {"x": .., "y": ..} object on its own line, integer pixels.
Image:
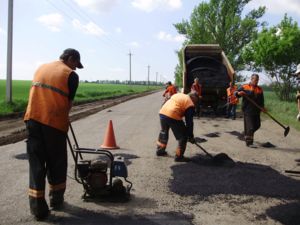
[
  {"x": 178, "y": 106},
  {"x": 232, "y": 101},
  {"x": 47, "y": 120},
  {"x": 251, "y": 112},
  {"x": 196, "y": 87},
  {"x": 170, "y": 90},
  {"x": 298, "y": 92}
]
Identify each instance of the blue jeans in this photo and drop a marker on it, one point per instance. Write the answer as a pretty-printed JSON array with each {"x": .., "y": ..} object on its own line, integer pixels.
[{"x": 231, "y": 111}]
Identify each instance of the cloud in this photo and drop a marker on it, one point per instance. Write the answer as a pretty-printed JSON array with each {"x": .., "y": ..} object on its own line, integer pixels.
[
  {"x": 52, "y": 21},
  {"x": 134, "y": 44},
  {"x": 163, "y": 36},
  {"x": 97, "y": 5},
  {"x": 89, "y": 28},
  {"x": 150, "y": 5},
  {"x": 277, "y": 6}
]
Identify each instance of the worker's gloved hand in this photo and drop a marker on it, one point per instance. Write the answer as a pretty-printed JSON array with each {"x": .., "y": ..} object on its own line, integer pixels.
[
  {"x": 298, "y": 117},
  {"x": 192, "y": 140},
  {"x": 242, "y": 93},
  {"x": 264, "y": 110}
]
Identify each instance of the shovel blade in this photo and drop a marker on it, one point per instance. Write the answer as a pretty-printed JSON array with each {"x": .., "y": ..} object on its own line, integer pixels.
[
  {"x": 286, "y": 131},
  {"x": 222, "y": 158}
]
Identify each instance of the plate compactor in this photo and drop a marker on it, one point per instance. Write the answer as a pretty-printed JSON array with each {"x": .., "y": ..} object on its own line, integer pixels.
[{"x": 101, "y": 178}]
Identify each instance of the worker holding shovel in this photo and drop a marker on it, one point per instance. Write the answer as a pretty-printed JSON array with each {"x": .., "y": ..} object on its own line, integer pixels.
[
  {"x": 251, "y": 93},
  {"x": 178, "y": 106},
  {"x": 298, "y": 92}
]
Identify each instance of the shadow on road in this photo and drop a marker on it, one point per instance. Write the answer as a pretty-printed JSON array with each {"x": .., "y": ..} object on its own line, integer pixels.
[
  {"x": 287, "y": 214},
  {"x": 201, "y": 179},
  {"x": 76, "y": 215}
]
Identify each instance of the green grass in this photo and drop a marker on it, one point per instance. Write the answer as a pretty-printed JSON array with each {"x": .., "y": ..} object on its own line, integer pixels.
[
  {"x": 283, "y": 111},
  {"x": 87, "y": 92}
]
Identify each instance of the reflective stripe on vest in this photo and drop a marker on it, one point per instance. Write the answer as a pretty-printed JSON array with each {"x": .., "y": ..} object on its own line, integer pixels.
[
  {"x": 176, "y": 106},
  {"x": 38, "y": 84}
]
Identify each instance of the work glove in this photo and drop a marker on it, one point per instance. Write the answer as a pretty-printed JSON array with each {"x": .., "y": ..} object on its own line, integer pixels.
[
  {"x": 298, "y": 117},
  {"x": 192, "y": 140},
  {"x": 264, "y": 110}
]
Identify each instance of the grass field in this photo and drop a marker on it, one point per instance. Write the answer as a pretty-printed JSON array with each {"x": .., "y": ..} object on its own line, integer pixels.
[
  {"x": 285, "y": 112},
  {"x": 86, "y": 92}
]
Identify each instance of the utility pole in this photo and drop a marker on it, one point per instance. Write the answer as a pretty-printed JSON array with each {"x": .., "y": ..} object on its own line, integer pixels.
[
  {"x": 148, "y": 74},
  {"x": 156, "y": 78},
  {"x": 9, "y": 52},
  {"x": 130, "y": 66}
]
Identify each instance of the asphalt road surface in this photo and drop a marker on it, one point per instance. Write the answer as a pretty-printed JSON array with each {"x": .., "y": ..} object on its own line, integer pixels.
[{"x": 254, "y": 190}]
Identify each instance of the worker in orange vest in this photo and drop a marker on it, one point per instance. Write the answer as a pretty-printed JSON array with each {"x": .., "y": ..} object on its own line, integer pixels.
[
  {"x": 196, "y": 87},
  {"x": 232, "y": 101},
  {"x": 170, "y": 90},
  {"x": 297, "y": 73},
  {"x": 251, "y": 112},
  {"x": 178, "y": 106},
  {"x": 47, "y": 121}
]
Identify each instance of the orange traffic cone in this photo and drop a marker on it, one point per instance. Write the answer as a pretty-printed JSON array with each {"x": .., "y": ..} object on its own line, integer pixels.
[{"x": 109, "y": 139}]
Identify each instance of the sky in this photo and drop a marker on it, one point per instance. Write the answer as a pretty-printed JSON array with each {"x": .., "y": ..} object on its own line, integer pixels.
[{"x": 105, "y": 32}]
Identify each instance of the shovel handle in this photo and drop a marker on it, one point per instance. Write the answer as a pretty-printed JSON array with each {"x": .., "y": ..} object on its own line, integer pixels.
[
  {"x": 204, "y": 150},
  {"x": 261, "y": 109}
]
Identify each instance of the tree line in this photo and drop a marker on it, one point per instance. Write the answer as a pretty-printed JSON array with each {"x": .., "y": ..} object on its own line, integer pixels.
[{"x": 152, "y": 83}]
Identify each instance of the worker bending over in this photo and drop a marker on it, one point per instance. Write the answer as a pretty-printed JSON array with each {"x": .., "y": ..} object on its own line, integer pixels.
[{"x": 178, "y": 106}]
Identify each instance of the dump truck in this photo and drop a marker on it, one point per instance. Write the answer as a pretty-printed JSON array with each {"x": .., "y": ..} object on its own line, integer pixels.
[{"x": 209, "y": 64}]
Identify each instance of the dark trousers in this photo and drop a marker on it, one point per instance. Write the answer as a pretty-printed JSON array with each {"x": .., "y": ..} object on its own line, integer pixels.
[
  {"x": 47, "y": 156},
  {"x": 251, "y": 124},
  {"x": 231, "y": 111},
  {"x": 180, "y": 132}
]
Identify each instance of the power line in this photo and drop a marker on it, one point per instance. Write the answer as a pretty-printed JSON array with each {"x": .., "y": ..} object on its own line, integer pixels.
[
  {"x": 84, "y": 17},
  {"x": 102, "y": 38}
]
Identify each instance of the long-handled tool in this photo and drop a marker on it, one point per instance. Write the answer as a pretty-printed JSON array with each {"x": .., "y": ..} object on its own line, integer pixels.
[
  {"x": 286, "y": 129},
  {"x": 217, "y": 159}
]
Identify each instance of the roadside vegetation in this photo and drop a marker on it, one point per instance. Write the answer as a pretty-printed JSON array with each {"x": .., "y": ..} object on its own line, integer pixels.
[
  {"x": 284, "y": 111},
  {"x": 87, "y": 92}
]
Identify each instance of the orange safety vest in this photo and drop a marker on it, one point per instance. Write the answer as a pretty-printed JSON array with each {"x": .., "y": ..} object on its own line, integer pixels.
[
  {"x": 48, "y": 99},
  {"x": 256, "y": 90},
  {"x": 171, "y": 90},
  {"x": 232, "y": 99},
  {"x": 176, "y": 106}
]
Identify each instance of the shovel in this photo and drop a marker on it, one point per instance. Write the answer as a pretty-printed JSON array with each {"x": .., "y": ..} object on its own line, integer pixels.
[
  {"x": 217, "y": 159},
  {"x": 286, "y": 129}
]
